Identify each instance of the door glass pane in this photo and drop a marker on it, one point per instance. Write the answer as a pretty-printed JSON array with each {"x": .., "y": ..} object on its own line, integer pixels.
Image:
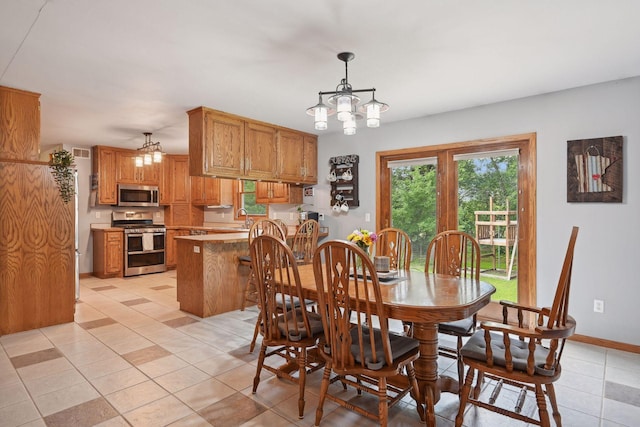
[
  {"x": 487, "y": 210},
  {"x": 413, "y": 206}
]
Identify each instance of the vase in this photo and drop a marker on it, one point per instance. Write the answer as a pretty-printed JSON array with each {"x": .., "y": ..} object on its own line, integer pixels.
[{"x": 358, "y": 259}]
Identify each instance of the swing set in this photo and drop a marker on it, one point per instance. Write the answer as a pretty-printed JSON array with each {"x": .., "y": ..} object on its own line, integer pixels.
[{"x": 498, "y": 229}]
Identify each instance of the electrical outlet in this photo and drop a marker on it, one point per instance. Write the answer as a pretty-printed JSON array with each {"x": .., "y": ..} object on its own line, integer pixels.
[
  {"x": 158, "y": 214},
  {"x": 97, "y": 214},
  {"x": 196, "y": 249},
  {"x": 598, "y": 306},
  {"x": 291, "y": 215},
  {"x": 320, "y": 217},
  {"x": 222, "y": 215},
  {"x": 367, "y": 217}
]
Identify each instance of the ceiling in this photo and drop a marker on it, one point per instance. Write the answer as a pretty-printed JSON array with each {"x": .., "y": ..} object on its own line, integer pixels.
[{"x": 109, "y": 70}]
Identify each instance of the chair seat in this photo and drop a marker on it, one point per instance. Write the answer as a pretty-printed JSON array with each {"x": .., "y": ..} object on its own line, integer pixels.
[
  {"x": 284, "y": 320},
  {"x": 457, "y": 327},
  {"x": 400, "y": 346},
  {"x": 287, "y": 301},
  {"x": 475, "y": 348}
]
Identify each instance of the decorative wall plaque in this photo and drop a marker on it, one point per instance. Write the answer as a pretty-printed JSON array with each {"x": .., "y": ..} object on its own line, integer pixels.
[{"x": 594, "y": 170}]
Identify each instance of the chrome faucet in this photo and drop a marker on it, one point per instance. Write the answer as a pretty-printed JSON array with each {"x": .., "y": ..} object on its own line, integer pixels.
[{"x": 248, "y": 221}]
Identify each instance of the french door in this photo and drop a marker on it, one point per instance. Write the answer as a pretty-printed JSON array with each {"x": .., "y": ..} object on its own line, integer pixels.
[{"x": 467, "y": 186}]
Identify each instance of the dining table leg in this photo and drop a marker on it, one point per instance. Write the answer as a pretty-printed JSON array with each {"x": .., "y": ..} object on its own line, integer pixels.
[{"x": 426, "y": 367}]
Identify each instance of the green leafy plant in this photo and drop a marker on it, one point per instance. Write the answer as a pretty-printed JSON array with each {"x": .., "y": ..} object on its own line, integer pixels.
[{"x": 60, "y": 162}]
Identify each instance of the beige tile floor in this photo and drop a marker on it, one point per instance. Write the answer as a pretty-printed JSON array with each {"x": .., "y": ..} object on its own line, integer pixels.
[{"x": 133, "y": 358}]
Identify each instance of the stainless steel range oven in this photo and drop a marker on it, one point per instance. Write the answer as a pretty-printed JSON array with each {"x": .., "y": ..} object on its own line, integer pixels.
[{"x": 144, "y": 242}]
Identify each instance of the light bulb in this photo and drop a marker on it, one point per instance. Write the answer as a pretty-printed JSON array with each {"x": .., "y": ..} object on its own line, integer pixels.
[
  {"x": 373, "y": 115},
  {"x": 349, "y": 125},
  {"x": 320, "y": 114},
  {"x": 343, "y": 104}
]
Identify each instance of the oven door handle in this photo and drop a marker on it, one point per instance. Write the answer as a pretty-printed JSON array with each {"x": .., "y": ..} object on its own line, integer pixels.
[{"x": 134, "y": 235}]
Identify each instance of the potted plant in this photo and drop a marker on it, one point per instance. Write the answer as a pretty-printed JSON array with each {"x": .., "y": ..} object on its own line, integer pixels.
[{"x": 60, "y": 162}]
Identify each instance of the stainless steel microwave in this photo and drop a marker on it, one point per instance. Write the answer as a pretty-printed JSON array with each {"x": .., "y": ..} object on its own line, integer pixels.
[{"x": 138, "y": 195}]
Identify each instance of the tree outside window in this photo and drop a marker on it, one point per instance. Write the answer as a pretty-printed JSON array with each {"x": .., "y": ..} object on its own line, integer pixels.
[{"x": 247, "y": 199}]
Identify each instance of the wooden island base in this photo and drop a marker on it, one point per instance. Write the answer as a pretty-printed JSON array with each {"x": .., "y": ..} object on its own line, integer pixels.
[{"x": 210, "y": 280}]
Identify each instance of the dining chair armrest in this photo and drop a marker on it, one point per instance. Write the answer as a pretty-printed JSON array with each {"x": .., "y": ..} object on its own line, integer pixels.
[
  {"x": 558, "y": 331},
  {"x": 506, "y": 305},
  {"x": 511, "y": 304},
  {"x": 509, "y": 329}
]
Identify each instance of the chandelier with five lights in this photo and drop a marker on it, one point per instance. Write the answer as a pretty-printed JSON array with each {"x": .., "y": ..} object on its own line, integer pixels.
[
  {"x": 345, "y": 104},
  {"x": 150, "y": 152}
]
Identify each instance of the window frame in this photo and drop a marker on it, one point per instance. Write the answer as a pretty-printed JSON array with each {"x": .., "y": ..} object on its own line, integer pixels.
[{"x": 238, "y": 201}]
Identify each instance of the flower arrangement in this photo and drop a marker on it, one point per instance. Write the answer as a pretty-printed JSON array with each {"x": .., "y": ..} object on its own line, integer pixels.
[{"x": 363, "y": 238}]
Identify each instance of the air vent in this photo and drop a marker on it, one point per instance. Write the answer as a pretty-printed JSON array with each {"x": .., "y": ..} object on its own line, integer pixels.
[{"x": 81, "y": 153}]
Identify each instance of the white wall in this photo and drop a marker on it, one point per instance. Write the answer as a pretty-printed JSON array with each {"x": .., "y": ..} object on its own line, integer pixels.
[{"x": 604, "y": 265}]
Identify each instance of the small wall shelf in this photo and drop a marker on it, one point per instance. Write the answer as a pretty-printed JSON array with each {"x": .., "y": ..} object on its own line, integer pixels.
[{"x": 343, "y": 167}]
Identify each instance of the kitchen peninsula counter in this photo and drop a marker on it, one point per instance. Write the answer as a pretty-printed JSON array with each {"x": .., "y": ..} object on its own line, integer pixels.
[{"x": 210, "y": 280}]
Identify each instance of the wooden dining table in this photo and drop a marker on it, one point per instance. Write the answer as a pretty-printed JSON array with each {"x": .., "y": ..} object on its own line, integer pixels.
[{"x": 425, "y": 299}]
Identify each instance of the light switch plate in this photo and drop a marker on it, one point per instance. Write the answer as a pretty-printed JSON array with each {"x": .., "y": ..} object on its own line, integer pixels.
[
  {"x": 367, "y": 217},
  {"x": 97, "y": 214}
]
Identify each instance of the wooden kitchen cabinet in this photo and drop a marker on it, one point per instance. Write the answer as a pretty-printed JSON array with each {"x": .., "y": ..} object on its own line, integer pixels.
[
  {"x": 37, "y": 249},
  {"x": 164, "y": 187},
  {"x": 207, "y": 191},
  {"x": 275, "y": 192},
  {"x": 227, "y": 146},
  {"x": 298, "y": 157},
  {"x": 260, "y": 150},
  {"x": 179, "y": 179},
  {"x": 310, "y": 159},
  {"x": 216, "y": 143},
  {"x": 108, "y": 253},
  {"x": 104, "y": 168},
  {"x": 113, "y": 166},
  {"x": 183, "y": 214},
  {"x": 171, "y": 251},
  {"x": 129, "y": 173},
  {"x": 291, "y": 156},
  {"x": 19, "y": 124}
]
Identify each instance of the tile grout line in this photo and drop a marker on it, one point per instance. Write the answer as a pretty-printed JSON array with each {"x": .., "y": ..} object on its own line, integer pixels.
[
  {"x": 604, "y": 385},
  {"x": 170, "y": 393}
]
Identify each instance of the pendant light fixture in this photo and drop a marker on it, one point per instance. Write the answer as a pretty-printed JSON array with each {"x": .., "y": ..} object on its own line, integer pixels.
[
  {"x": 343, "y": 102},
  {"x": 150, "y": 152}
]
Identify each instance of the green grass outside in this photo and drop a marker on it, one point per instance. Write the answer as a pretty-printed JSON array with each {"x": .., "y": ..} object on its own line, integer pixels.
[{"x": 505, "y": 289}]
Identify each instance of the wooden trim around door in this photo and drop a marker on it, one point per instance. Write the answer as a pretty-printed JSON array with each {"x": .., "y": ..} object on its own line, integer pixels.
[{"x": 448, "y": 198}]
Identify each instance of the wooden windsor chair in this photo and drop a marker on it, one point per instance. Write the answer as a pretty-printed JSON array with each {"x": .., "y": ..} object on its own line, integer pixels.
[
  {"x": 359, "y": 355},
  {"x": 523, "y": 355},
  {"x": 455, "y": 253},
  {"x": 283, "y": 323}
]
